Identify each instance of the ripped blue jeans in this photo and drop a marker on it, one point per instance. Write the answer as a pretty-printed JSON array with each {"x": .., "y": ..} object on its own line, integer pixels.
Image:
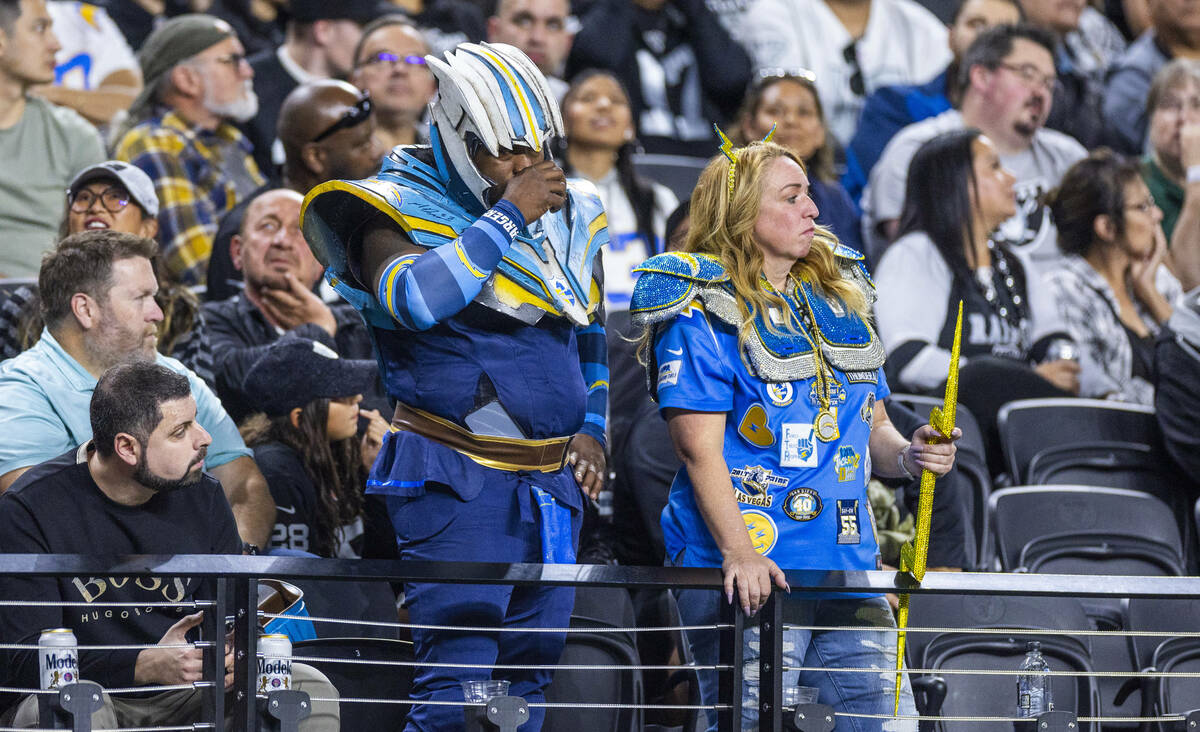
[{"x": 862, "y": 647}]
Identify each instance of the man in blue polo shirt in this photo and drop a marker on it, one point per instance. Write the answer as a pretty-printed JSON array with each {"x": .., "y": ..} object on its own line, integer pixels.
[{"x": 97, "y": 292}]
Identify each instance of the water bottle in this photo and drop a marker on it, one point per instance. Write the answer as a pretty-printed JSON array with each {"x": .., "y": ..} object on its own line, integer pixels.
[{"x": 1033, "y": 685}]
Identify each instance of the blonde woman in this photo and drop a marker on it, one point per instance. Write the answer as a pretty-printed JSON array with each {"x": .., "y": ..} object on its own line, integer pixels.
[{"x": 769, "y": 373}]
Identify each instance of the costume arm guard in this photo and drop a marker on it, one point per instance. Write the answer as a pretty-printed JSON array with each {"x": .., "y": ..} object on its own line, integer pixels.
[
  {"x": 593, "y": 361},
  {"x": 421, "y": 290}
]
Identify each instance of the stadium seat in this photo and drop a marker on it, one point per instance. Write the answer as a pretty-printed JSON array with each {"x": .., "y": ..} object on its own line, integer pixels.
[
  {"x": 1029, "y": 427},
  {"x": 1084, "y": 530},
  {"x": 364, "y": 680},
  {"x": 1178, "y": 695},
  {"x": 677, "y": 172},
  {"x": 971, "y": 461},
  {"x": 597, "y": 608},
  {"x": 1167, "y": 616},
  {"x": 984, "y": 695}
]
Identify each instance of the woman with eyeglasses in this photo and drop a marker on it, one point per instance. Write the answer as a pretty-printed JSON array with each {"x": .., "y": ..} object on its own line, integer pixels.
[
  {"x": 788, "y": 100},
  {"x": 119, "y": 196},
  {"x": 958, "y": 193},
  {"x": 599, "y": 146},
  {"x": 1113, "y": 291}
]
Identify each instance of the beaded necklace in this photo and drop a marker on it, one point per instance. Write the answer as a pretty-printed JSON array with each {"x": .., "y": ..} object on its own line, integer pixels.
[{"x": 1015, "y": 316}]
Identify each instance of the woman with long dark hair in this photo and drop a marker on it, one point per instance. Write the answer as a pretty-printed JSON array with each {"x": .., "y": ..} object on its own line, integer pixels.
[
  {"x": 788, "y": 100},
  {"x": 305, "y": 440},
  {"x": 1112, "y": 291},
  {"x": 958, "y": 194},
  {"x": 599, "y": 146}
]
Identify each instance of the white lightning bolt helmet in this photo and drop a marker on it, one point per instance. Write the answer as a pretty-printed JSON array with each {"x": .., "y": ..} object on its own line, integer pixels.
[{"x": 491, "y": 97}]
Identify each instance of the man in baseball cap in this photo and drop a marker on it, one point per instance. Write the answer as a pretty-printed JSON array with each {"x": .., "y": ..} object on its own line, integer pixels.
[
  {"x": 198, "y": 84},
  {"x": 320, "y": 41}
]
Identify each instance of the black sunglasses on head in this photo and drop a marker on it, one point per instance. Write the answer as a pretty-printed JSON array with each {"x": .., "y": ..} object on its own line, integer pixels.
[{"x": 352, "y": 117}]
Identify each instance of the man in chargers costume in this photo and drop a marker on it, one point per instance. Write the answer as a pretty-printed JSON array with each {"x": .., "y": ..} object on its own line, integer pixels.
[{"x": 471, "y": 259}]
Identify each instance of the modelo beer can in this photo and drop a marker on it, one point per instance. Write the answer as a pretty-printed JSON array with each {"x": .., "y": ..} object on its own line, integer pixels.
[
  {"x": 274, "y": 663},
  {"x": 58, "y": 658}
]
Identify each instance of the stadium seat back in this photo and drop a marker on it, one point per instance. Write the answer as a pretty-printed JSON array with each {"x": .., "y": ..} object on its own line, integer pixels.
[
  {"x": 363, "y": 680},
  {"x": 1025, "y": 514},
  {"x": 598, "y": 609},
  {"x": 677, "y": 172}
]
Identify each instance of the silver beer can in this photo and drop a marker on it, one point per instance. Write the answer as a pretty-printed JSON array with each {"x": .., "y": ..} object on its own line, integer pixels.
[
  {"x": 274, "y": 663},
  {"x": 58, "y": 658}
]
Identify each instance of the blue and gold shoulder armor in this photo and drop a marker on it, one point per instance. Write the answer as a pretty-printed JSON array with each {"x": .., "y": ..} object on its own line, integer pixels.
[
  {"x": 547, "y": 270},
  {"x": 668, "y": 282}
]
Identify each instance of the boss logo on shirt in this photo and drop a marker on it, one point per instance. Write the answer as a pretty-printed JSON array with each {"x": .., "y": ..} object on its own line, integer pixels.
[
  {"x": 668, "y": 373},
  {"x": 763, "y": 532},
  {"x": 802, "y": 504},
  {"x": 756, "y": 482},
  {"x": 781, "y": 395}
]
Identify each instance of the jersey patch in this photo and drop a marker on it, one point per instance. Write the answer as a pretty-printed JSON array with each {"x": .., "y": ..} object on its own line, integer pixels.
[
  {"x": 867, "y": 413},
  {"x": 802, "y": 504},
  {"x": 799, "y": 449},
  {"x": 668, "y": 373},
  {"x": 756, "y": 482},
  {"x": 846, "y": 463},
  {"x": 781, "y": 395},
  {"x": 763, "y": 532},
  {"x": 848, "y": 532},
  {"x": 862, "y": 377},
  {"x": 837, "y": 393},
  {"x": 754, "y": 426}
]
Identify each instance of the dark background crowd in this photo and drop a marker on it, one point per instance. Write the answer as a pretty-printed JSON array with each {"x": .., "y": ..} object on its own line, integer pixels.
[{"x": 1037, "y": 159}]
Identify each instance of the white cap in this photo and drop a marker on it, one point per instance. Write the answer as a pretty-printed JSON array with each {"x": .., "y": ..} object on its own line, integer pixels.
[{"x": 139, "y": 185}]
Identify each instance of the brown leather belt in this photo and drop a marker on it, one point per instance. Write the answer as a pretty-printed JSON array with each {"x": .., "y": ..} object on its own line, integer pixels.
[{"x": 502, "y": 453}]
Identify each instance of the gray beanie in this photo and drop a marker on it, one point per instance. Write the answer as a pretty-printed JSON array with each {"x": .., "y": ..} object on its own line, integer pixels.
[{"x": 176, "y": 40}]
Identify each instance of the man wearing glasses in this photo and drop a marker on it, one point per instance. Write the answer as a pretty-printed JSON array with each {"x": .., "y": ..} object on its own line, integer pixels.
[
  {"x": 197, "y": 85},
  {"x": 389, "y": 64}
]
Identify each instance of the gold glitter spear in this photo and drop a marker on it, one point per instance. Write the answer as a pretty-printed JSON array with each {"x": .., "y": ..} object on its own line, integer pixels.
[{"x": 913, "y": 556}]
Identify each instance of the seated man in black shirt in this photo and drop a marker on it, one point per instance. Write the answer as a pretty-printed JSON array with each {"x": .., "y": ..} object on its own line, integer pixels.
[
  {"x": 137, "y": 487},
  {"x": 280, "y": 273}
]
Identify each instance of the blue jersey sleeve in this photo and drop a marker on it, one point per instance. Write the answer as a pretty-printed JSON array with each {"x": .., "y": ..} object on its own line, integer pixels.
[
  {"x": 693, "y": 373},
  {"x": 882, "y": 390}
]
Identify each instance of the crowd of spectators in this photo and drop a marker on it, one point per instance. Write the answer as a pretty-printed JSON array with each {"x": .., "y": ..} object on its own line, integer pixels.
[{"x": 1039, "y": 159}]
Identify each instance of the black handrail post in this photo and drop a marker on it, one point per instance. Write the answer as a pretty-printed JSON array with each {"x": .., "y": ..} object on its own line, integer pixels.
[
  {"x": 770, "y": 664},
  {"x": 245, "y": 641},
  {"x": 730, "y": 646},
  {"x": 214, "y": 657}
]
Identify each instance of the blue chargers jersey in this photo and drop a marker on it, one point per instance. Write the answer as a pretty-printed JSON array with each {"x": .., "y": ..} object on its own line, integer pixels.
[{"x": 804, "y": 500}]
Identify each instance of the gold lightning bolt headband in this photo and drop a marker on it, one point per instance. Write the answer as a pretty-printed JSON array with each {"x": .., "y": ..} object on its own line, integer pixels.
[{"x": 727, "y": 151}]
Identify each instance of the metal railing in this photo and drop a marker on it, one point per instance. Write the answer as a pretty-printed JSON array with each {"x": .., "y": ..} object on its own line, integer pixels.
[{"x": 230, "y": 589}]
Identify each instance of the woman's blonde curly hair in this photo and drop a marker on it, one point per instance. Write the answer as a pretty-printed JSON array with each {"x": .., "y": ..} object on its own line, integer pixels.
[{"x": 722, "y": 225}]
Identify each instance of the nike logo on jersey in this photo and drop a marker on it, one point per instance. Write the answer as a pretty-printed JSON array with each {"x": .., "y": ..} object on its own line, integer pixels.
[
  {"x": 281, "y": 509},
  {"x": 675, "y": 351}
]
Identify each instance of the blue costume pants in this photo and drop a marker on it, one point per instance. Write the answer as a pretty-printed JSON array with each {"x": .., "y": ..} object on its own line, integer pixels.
[
  {"x": 502, "y": 524},
  {"x": 862, "y": 647}
]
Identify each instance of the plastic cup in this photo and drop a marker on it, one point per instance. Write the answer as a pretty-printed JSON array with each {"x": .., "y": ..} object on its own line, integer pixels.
[
  {"x": 480, "y": 691},
  {"x": 796, "y": 695}
]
